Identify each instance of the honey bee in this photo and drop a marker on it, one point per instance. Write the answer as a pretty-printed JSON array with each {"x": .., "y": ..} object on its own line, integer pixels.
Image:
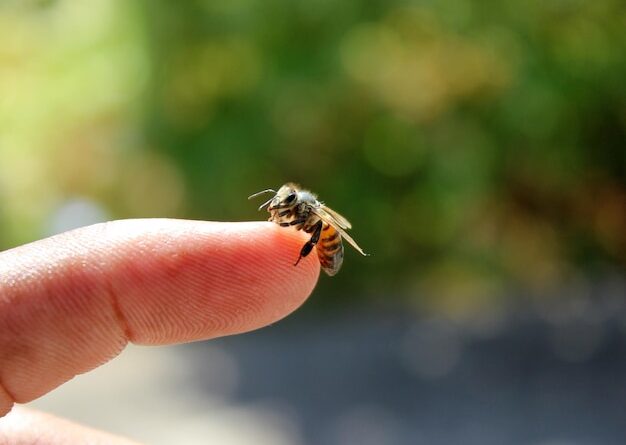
[{"x": 292, "y": 206}]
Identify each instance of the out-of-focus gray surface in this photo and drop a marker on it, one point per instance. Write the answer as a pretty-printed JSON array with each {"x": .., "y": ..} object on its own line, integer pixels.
[
  {"x": 143, "y": 394},
  {"x": 554, "y": 375}
]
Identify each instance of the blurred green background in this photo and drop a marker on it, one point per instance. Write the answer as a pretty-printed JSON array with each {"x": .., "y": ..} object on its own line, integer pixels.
[{"x": 477, "y": 146}]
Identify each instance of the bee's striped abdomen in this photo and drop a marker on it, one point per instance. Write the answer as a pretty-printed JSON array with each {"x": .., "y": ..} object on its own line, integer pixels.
[{"x": 330, "y": 250}]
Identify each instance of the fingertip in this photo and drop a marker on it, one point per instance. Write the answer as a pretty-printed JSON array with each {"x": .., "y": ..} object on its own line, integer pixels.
[
  {"x": 208, "y": 279},
  {"x": 293, "y": 283}
]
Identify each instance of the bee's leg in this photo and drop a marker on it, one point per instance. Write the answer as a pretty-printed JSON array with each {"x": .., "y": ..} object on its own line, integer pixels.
[
  {"x": 306, "y": 249},
  {"x": 295, "y": 222},
  {"x": 280, "y": 206},
  {"x": 299, "y": 223}
]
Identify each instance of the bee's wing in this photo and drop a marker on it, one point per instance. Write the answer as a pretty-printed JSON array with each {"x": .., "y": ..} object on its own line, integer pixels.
[
  {"x": 328, "y": 218},
  {"x": 337, "y": 218}
]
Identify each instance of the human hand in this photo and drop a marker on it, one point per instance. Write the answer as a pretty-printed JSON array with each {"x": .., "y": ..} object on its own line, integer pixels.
[{"x": 72, "y": 302}]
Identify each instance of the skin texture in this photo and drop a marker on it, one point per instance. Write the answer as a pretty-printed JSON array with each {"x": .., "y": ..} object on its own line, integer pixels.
[
  {"x": 72, "y": 302},
  {"x": 25, "y": 427}
]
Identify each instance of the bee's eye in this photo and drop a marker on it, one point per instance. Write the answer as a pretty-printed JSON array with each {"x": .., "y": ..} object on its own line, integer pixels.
[{"x": 290, "y": 198}]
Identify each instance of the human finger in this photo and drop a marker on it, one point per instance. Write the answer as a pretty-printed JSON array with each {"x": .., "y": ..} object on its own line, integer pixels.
[{"x": 72, "y": 302}]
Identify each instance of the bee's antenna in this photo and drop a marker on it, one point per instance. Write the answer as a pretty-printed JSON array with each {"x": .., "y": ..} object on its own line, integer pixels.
[
  {"x": 261, "y": 192},
  {"x": 266, "y": 203}
]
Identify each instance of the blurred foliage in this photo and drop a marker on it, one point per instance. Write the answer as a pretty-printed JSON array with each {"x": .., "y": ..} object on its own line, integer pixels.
[{"x": 475, "y": 145}]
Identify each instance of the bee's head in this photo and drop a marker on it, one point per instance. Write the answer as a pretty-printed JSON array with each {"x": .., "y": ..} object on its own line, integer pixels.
[{"x": 285, "y": 198}]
